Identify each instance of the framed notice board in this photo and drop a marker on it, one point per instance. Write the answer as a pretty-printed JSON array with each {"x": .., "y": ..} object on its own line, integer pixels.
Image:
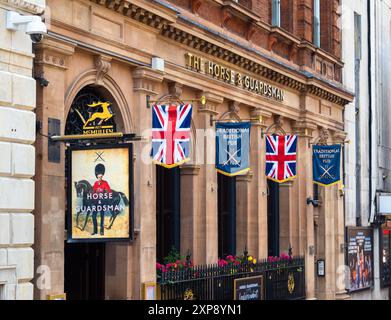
[
  {"x": 385, "y": 256},
  {"x": 249, "y": 288}
]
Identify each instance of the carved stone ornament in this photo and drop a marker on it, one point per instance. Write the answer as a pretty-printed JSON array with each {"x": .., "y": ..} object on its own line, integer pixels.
[
  {"x": 175, "y": 89},
  {"x": 103, "y": 66},
  {"x": 195, "y": 6}
]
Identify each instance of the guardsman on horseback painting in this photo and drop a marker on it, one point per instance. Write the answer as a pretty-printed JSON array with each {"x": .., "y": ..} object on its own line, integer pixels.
[{"x": 100, "y": 186}]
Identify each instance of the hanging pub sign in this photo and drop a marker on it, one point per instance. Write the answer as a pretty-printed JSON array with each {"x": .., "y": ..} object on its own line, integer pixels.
[
  {"x": 326, "y": 164},
  {"x": 90, "y": 114},
  {"x": 233, "y": 148},
  {"x": 100, "y": 193},
  {"x": 171, "y": 134},
  {"x": 360, "y": 258},
  {"x": 281, "y": 157}
]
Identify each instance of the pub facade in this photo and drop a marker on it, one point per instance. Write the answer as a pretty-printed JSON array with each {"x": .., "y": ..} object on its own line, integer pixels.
[{"x": 233, "y": 62}]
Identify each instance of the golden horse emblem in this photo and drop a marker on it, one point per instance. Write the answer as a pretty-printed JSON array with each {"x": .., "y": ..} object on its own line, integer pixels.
[{"x": 104, "y": 116}]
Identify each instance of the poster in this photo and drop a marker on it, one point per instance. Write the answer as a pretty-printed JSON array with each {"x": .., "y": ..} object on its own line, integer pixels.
[
  {"x": 233, "y": 148},
  {"x": 326, "y": 165},
  {"x": 360, "y": 258},
  {"x": 100, "y": 203}
]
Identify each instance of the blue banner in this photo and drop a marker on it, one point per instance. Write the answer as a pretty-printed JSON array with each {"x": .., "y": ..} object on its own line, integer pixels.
[
  {"x": 327, "y": 165},
  {"x": 233, "y": 148}
]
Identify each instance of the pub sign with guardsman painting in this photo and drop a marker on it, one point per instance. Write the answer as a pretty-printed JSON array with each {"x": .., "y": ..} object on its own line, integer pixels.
[{"x": 100, "y": 196}]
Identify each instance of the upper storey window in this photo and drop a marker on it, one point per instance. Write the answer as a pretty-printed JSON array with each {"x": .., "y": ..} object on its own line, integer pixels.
[
  {"x": 276, "y": 13},
  {"x": 317, "y": 23}
]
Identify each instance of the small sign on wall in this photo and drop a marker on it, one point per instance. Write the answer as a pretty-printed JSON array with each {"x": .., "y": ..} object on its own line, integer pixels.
[
  {"x": 321, "y": 268},
  {"x": 249, "y": 288},
  {"x": 62, "y": 296},
  {"x": 149, "y": 291}
]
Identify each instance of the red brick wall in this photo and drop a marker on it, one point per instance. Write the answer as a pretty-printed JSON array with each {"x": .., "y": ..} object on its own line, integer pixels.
[
  {"x": 296, "y": 18},
  {"x": 263, "y": 8},
  {"x": 304, "y": 19},
  {"x": 330, "y": 33}
]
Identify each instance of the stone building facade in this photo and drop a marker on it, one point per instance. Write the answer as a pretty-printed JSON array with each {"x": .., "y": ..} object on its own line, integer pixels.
[
  {"x": 108, "y": 47},
  {"x": 366, "y": 122},
  {"x": 17, "y": 163}
]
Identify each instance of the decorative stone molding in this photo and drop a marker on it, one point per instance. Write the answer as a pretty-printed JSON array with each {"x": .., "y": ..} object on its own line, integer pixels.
[
  {"x": 103, "y": 66},
  {"x": 52, "y": 52},
  {"x": 227, "y": 17},
  {"x": 293, "y": 51},
  {"x": 251, "y": 29},
  {"x": 145, "y": 79},
  {"x": 245, "y": 177},
  {"x": 195, "y": 6},
  {"x": 212, "y": 101},
  {"x": 304, "y": 128},
  {"x": 339, "y": 136},
  {"x": 233, "y": 107},
  {"x": 323, "y": 136},
  {"x": 164, "y": 22},
  {"x": 190, "y": 170},
  {"x": 259, "y": 117},
  {"x": 175, "y": 89},
  {"x": 24, "y": 5},
  {"x": 271, "y": 42}
]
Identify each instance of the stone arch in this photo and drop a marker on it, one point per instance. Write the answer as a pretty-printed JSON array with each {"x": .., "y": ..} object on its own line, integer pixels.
[{"x": 109, "y": 88}]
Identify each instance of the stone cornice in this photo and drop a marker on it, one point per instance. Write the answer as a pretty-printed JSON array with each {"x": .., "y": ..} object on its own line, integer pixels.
[
  {"x": 24, "y": 5},
  {"x": 172, "y": 25}
]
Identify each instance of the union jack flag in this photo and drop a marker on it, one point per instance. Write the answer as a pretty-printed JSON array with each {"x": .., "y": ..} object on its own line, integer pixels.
[
  {"x": 171, "y": 134},
  {"x": 281, "y": 157}
]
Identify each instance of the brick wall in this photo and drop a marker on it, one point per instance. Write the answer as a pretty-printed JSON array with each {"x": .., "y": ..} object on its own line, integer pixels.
[
  {"x": 17, "y": 161},
  {"x": 263, "y": 8}
]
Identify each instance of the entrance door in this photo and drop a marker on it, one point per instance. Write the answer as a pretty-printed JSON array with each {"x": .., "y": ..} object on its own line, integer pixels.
[
  {"x": 226, "y": 215},
  {"x": 167, "y": 211},
  {"x": 273, "y": 219},
  {"x": 85, "y": 271}
]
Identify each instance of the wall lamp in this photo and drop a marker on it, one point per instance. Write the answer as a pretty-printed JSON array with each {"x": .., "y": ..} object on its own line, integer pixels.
[{"x": 315, "y": 203}]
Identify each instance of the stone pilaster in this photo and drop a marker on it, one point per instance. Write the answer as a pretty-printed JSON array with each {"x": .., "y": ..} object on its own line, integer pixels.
[
  {"x": 305, "y": 213},
  {"x": 52, "y": 61},
  {"x": 190, "y": 213},
  {"x": 259, "y": 182},
  {"x": 146, "y": 83},
  {"x": 339, "y": 225},
  {"x": 208, "y": 178}
]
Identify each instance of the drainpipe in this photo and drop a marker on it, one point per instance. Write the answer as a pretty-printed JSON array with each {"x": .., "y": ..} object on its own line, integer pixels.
[{"x": 370, "y": 104}]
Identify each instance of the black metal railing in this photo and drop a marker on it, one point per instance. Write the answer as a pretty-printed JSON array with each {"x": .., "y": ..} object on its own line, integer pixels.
[{"x": 283, "y": 280}]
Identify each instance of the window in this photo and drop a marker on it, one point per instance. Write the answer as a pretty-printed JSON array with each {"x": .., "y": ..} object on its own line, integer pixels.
[
  {"x": 273, "y": 218},
  {"x": 167, "y": 211},
  {"x": 226, "y": 215},
  {"x": 317, "y": 23},
  {"x": 357, "y": 37},
  {"x": 276, "y": 13}
]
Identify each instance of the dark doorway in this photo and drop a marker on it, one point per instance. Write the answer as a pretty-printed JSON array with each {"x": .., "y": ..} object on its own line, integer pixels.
[
  {"x": 273, "y": 219},
  {"x": 85, "y": 271},
  {"x": 167, "y": 211},
  {"x": 226, "y": 215}
]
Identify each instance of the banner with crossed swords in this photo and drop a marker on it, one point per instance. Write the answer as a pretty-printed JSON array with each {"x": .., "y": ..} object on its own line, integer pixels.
[
  {"x": 233, "y": 148},
  {"x": 327, "y": 165}
]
